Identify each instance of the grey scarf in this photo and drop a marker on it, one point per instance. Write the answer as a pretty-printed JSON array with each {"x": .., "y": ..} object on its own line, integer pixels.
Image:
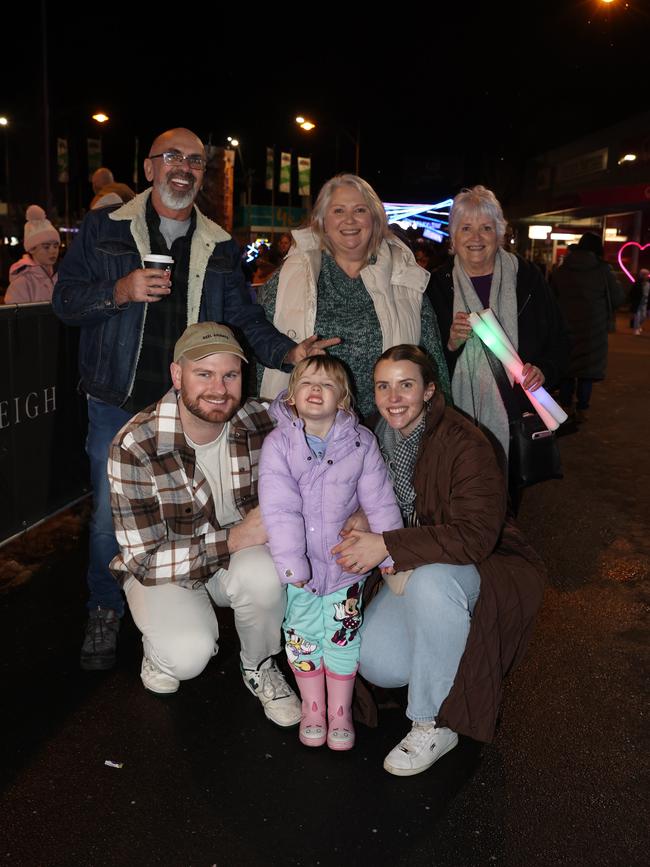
[{"x": 473, "y": 387}]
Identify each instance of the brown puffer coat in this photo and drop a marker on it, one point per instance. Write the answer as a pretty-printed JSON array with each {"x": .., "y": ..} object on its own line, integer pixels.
[{"x": 461, "y": 503}]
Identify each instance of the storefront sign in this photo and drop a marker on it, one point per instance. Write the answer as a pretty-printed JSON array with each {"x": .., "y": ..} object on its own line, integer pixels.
[{"x": 582, "y": 166}]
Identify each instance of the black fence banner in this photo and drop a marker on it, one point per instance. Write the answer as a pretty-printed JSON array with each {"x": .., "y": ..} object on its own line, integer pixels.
[{"x": 43, "y": 419}]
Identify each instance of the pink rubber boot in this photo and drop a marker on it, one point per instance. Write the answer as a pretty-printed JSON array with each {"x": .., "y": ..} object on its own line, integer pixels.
[
  {"x": 313, "y": 725},
  {"x": 340, "y": 688}
]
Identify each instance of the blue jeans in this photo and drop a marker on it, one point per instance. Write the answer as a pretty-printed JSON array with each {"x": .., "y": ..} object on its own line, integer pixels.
[
  {"x": 104, "y": 421},
  {"x": 419, "y": 638}
]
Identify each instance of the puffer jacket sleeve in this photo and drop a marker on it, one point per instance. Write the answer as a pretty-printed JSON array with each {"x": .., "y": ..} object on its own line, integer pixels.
[
  {"x": 476, "y": 509},
  {"x": 282, "y": 511}
]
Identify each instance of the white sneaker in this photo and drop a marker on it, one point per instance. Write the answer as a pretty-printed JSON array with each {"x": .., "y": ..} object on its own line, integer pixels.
[
  {"x": 281, "y": 705},
  {"x": 421, "y": 747},
  {"x": 156, "y": 680}
]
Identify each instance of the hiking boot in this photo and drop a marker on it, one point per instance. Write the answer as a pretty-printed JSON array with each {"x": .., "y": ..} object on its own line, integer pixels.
[
  {"x": 281, "y": 704},
  {"x": 156, "y": 680},
  {"x": 421, "y": 747},
  {"x": 100, "y": 642}
]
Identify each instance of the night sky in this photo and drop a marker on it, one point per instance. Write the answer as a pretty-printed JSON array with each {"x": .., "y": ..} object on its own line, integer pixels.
[{"x": 436, "y": 93}]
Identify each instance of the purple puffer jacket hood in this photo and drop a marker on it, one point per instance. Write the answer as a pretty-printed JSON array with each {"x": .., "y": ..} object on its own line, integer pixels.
[{"x": 306, "y": 502}]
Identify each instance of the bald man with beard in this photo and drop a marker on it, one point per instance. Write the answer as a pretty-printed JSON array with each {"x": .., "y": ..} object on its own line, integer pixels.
[{"x": 130, "y": 319}]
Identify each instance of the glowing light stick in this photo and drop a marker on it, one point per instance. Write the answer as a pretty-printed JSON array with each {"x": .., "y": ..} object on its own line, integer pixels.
[{"x": 487, "y": 328}]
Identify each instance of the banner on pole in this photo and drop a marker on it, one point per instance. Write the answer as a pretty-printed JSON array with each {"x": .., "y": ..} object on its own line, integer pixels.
[
  {"x": 62, "y": 165},
  {"x": 304, "y": 176},
  {"x": 285, "y": 173},
  {"x": 94, "y": 156},
  {"x": 270, "y": 164}
]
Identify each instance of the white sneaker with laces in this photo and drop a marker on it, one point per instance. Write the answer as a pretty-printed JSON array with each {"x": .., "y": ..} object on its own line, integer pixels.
[
  {"x": 156, "y": 680},
  {"x": 281, "y": 705},
  {"x": 421, "y": 747}
]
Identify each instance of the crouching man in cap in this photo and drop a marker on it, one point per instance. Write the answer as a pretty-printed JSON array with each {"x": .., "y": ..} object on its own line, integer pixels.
[{"x": 183, "y": 478}]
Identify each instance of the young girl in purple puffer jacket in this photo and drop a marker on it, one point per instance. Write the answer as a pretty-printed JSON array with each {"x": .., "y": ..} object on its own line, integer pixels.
[{"x": 316, "y": 469}]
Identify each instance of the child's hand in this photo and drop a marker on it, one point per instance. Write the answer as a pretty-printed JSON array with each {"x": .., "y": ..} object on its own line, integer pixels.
[
  {"x": 298, "y": 583},
  {"x": 387, "y": 570}
]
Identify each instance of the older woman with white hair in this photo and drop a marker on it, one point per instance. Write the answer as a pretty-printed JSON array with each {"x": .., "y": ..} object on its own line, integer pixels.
[
  {"x": 348, "y": 276},
  {"x": 484, "y": 275}
]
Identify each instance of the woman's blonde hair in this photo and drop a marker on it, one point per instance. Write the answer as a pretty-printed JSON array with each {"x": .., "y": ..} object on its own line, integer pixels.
[
  {"x": 329, "y": 365},
  {"x": 477, "y": 200},
  {"x": 380, "y": 228}
]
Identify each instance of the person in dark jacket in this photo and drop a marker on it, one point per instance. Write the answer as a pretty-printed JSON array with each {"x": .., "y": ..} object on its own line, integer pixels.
[
  {"x": 483, "y": 275},
  {"x": 130, "y": 318},
  {"x": 588, "y": 293},
  {"x": 461, "y": 620}
]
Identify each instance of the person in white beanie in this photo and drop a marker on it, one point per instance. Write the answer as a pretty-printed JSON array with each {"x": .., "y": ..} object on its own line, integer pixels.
[{"x": 32, "y": 278}]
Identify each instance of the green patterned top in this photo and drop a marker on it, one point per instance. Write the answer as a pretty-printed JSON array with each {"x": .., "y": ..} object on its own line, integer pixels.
[{"x": 345, "y": 310}]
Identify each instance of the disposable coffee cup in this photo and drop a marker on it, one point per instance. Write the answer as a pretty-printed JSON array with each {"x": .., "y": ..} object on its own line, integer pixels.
[{"x": 154, "y": 260}]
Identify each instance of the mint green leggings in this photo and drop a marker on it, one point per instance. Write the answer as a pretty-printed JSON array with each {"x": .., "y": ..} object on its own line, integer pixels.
[{"x": 323, "y": 629}]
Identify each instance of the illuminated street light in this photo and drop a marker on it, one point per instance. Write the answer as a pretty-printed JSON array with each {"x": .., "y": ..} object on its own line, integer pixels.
[
  {"x": 4, "y": 121},
  {"x": 100, "y": 117},
  {"x": 305, "y": 124},
  {"x": 626, "y": 158}
]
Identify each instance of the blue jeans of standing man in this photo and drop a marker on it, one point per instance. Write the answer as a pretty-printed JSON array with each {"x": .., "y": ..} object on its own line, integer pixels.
[
  {"x": 419, "y": 638},
  {"x": 104, "y": 421}
]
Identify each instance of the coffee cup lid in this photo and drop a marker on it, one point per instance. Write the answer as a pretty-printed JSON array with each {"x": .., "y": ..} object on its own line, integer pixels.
[{"x": 156, "y": 257}]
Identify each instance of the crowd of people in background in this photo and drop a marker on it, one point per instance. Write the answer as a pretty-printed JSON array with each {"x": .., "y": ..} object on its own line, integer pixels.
[{"x": 386, "y": 543}]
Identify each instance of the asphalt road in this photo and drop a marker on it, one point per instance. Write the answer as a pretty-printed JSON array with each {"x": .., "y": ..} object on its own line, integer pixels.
[{"x": 206, "y": 780}]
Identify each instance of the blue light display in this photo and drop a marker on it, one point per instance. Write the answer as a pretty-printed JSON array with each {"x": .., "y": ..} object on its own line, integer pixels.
[{"x": 432, "y": 219}]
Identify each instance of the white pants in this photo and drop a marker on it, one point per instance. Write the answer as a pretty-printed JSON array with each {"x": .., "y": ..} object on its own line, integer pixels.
[{"x": 178, "y": 624}]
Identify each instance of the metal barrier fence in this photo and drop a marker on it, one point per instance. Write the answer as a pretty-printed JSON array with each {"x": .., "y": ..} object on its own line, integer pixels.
[{"x": 43, "y": 465}]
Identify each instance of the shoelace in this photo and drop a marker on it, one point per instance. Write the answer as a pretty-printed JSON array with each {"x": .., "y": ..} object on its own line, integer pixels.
[
  {"x": 415, "y": 739},
  {"x": 272, "y": 682}
]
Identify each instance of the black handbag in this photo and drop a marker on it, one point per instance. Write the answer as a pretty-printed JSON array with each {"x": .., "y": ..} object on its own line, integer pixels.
[{"x": 534, "y": 454}]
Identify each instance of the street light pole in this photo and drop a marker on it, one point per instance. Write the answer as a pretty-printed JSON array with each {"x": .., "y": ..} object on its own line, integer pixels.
[
  {"x": 4, "y": 123},
  {"x": 46, "y": 112},
  {"x": 248, "y": 175}
]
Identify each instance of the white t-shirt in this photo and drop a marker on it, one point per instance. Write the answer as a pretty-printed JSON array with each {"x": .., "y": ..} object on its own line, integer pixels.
[{"x": 214, "y": 460}]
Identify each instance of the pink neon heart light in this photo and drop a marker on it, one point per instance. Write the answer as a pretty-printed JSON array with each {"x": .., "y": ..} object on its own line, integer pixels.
[{"x": 620, "y": 257}]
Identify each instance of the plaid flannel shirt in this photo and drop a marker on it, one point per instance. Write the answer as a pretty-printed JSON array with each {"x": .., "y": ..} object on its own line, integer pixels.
[{"x": 162, "y": 503}]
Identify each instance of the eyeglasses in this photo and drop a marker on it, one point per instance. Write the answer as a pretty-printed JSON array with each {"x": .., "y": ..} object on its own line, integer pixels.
[{"x": 176, "y": 158}]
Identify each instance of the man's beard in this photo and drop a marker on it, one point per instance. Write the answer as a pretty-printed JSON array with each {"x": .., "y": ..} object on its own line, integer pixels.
[
  {"x": 176, "y": 200},
  {"x": 216, "y": 415}
]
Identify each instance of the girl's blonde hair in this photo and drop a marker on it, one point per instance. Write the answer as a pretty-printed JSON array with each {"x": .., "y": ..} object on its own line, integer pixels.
[{"x": 329, "y": 365}]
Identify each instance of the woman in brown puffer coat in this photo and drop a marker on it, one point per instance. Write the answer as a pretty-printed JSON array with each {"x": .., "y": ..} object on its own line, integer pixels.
[{"x": 461, "y": 619}]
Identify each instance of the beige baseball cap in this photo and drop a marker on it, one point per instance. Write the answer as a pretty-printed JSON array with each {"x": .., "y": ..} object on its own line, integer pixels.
[{"x": 206, "y": 338}]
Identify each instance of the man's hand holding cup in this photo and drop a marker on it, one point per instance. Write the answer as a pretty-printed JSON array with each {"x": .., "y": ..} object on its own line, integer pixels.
[{"x": 147, "y": 284}]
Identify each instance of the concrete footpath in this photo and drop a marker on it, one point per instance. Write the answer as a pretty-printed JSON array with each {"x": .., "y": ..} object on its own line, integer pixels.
[{"x": 206, "y": 780}]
